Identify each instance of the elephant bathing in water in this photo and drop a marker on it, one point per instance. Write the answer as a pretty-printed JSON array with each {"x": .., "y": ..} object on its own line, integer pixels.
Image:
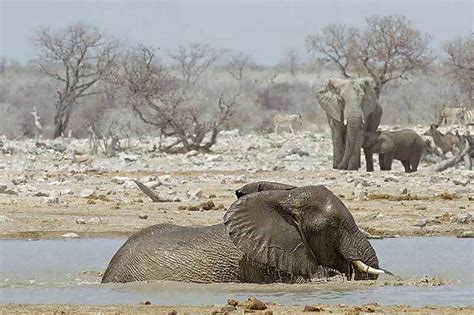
[
  {"x": 352, "y": 110},
  {"x": 272, "y": 233}
]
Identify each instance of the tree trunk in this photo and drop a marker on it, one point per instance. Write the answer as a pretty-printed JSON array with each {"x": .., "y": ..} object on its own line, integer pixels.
[
  {"x": 61, "y": 119},
  {"x": 58, "y": 128},
  {"x": 454, "y": 160}
]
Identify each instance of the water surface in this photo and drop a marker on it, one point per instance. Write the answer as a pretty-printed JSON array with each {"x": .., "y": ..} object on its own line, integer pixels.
[{"x": 66, "y": 271}]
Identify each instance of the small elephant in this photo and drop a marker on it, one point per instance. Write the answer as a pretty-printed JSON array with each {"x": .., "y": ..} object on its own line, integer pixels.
[
  {"x": 276, "y": 235},
  {"x": 404, "y": 145},
  {"x": 352, "y": 109}
]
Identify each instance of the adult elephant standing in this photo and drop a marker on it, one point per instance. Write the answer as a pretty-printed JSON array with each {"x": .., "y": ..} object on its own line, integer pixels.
[{"x": 352, "y": 110}]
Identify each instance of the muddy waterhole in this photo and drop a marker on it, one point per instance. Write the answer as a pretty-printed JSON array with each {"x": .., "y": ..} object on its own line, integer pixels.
[{"x": 68, "y": 272}]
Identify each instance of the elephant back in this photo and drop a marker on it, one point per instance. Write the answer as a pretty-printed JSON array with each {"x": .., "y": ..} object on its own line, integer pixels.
[{"x": 176, "y": 253}]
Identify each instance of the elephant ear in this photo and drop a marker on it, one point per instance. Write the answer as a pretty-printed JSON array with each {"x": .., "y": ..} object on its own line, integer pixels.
[
  {"x": 264, "y": 231},
  {"x": 328, "y": 98},
  {"x": 369, "y": 103}
]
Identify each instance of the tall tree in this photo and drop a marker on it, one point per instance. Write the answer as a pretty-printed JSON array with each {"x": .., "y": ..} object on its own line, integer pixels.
[
  {"x": 78, "y": 56},
  {"x": 168, "y": 98},
  {"x": 389, "y": 48},
  {"x": 460, "y": 62}
]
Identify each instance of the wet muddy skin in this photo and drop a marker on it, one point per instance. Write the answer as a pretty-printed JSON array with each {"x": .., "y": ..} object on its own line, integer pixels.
[{"x": 68, "y": 271}]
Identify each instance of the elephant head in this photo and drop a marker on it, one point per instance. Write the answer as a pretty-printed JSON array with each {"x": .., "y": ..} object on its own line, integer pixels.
[
  {"x": 349, "y": 103},
  {"x": 378, "y": 142},
  {"x": 300, "y": 229},
  {"x": 261, "y": 186}
]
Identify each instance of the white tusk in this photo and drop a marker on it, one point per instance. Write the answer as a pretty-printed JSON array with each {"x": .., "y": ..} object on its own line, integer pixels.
[{"x": 364, "y": 268}]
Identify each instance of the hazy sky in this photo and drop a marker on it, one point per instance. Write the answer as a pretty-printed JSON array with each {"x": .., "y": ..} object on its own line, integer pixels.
[{"x": 264, "y": 29}]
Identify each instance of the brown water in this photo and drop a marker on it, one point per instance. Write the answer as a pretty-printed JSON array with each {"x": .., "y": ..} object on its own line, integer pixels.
[{"x": 66, "y": 271}]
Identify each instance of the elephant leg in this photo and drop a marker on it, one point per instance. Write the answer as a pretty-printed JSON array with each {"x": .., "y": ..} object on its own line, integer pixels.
[
  {"x": 406, "y": 165},
  {"x": 381, "y": 161},
  {"x": 338, "y": 141},
  {"x": 414, "y": 161},
  {"x": 388, "y": 159},
  {"x": 385, "y": 162},
  {"x": 369, "y": 160}
]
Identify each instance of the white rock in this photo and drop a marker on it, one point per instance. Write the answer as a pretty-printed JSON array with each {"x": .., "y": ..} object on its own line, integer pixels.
[
  {"x": 87, "y": 193},
  {"x": 6, "y": 187},
  {"x": 149, "y": 178},
  {"x": 166, "y": 178},
  {"x": 129, "y": 184},
  {"x": 421, "y": 223},
  {"x": 192, "y": 153},
  {"x": 70, "y": 235},
  {"x": 120, "y": 179},
  {"x": 95, "y": 220},
  {"x": 4, "y": 218},
  {"x": 153, "y": 184},
  {"x": 80, "y": 221},
  {"x": 239, "y": 179},
  {"x": 194, "y": 194},
  {"x": 79, "y": 177}
]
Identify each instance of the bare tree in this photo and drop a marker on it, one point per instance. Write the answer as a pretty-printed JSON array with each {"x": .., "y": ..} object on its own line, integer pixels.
[
  {"x": 168, "y": 98},
  {"x": 237, "y": 65},
  {"x": 389, "y": 48},
  {"x": 336, "y": 44},
  {"x": 78, "y": 56},
  {"x": 291, "y": 60},
  {"x": 460, "y": 62}
]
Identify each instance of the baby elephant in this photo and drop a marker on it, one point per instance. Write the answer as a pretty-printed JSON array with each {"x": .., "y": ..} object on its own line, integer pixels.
[{"x": 404, "y": 145}]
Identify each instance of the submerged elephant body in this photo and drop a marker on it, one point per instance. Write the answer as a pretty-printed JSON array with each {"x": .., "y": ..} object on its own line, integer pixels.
[
  {"x": 188, "y": 254},
  {"x": 404, "y": 145},
  {"x": 289, "y": 235}
]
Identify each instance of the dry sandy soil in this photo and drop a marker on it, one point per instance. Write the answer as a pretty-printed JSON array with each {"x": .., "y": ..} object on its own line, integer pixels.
[
  {"x": 110, "y": 212},
  {"x": 216, "y": 309}
]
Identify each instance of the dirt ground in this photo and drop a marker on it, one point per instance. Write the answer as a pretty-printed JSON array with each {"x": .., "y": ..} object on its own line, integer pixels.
[
  {"x": 219, "y": 309},
  {"x": 383, "y": 211}
]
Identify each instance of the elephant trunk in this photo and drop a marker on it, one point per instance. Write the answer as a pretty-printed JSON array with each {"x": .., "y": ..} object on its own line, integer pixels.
[
  {"x": 354, "y": 138},
  {"x": 357, "y": 250}
]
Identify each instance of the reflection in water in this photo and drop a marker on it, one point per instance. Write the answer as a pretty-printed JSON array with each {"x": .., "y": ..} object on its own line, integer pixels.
[{"x": 67, "y": 271}]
